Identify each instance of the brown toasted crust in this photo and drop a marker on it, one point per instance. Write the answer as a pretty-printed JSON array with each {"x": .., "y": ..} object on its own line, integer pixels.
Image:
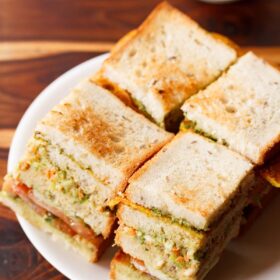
[
  {"x": 272, "y": 150},
  {"x": 123, "y": 95},
  {"x": 228, "y": 42},
  {"x": 201, "y": 205},
  {"x": 149, "y": 162},
  {"x": 271, "y": 172},
  {"x": 120, "y": 210},
  {"x": 107, "y": 233},
  {"x": 140, "y": 161},
  {"x": 269, "y": 150},
  {"x": 103, "y": 246},
  {"x": 120, "y": 256},
  {"x": 126, "y": 40},
  {"x": 100, "y": 79},
  {"x": 139, "y": 173}
]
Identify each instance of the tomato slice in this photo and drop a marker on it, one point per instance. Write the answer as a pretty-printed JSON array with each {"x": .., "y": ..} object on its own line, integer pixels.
[{"x": 68, "y": 225}]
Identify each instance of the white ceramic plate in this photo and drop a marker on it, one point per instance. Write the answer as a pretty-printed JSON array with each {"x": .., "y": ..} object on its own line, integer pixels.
[{"x": 256, "y": 255}]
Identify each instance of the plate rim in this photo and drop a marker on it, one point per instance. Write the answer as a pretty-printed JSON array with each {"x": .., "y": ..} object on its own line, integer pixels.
[
  {"x": 13, "y": 158},
  {"x": 14, "y": 153}
]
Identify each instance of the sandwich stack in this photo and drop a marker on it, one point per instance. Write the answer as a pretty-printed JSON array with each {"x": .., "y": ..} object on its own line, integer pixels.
[
  {"x": 79, "y": 158},
  {"x": 183, "y": 206},
  {"x": 186, "y": 196},
  {"x": 166, "y": 60},
  {"x": 242, "y": 111},
  {"x": 247, "y": 97}
]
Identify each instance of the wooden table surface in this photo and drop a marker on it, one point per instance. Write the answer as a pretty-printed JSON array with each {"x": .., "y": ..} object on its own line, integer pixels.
[{"x": 40, "y": 40}]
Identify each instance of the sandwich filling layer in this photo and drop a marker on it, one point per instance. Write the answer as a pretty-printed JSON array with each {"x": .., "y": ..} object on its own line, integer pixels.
[
  {"x": 20, "y": 192},
  {"x": 123, "y": 268},
  {"x": 43, "y": 141},
  {"x": 90, "y": 249},
  {"x": 180, "y": 250},
  {"x": 167, "y": 260},
  {"x": 86, "y": 180},
  {"x": 56, "y": 189},
  {"x": 187, "y": 125},
  {"x": 162, "y": 229}
]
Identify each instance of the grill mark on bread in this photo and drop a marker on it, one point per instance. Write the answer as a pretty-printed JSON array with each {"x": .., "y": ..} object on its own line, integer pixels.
[{"x": 99, "y": 136}]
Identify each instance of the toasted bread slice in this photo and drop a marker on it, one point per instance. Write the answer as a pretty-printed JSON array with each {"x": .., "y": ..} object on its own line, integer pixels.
[
  {"x": 241, "y": 108},
  {"x": 94, "y": 131},
  {"x": 122, "y": 269},
  {"x": 79, "y": 158},
  {"x": 165, "y": 61},
  {"x": 192, "y": 179}
]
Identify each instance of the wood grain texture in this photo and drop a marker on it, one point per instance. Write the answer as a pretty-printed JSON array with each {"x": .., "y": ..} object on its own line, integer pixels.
[
  {"x": 21, "y": 81},
  {"x": 18, "y": 259},
  {"x": 6, "y": 136},
  {"x": 40, "y": 40},
  {"x": 13, "y": 51},
  {"x": 3, "y": 163},
  {"x": 249, "y": 22},
  {"x": 271, "y": 54},
  {"x": 28, "y": 50}
]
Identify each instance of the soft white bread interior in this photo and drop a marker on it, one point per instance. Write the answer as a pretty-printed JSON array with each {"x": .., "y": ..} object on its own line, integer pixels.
[
  {"x": 101, "y": 134},
  {"x": 166, "y": 60},
  {"x": 191, "y": 178},
  {"x": 122, "y": 269},
  {"x": 241, "y": 108},
  {"x": 90, "y": 250}
]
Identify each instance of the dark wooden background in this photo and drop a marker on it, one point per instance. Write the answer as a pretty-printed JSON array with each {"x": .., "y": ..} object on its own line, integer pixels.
[{"x": 41, "y": 39}]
